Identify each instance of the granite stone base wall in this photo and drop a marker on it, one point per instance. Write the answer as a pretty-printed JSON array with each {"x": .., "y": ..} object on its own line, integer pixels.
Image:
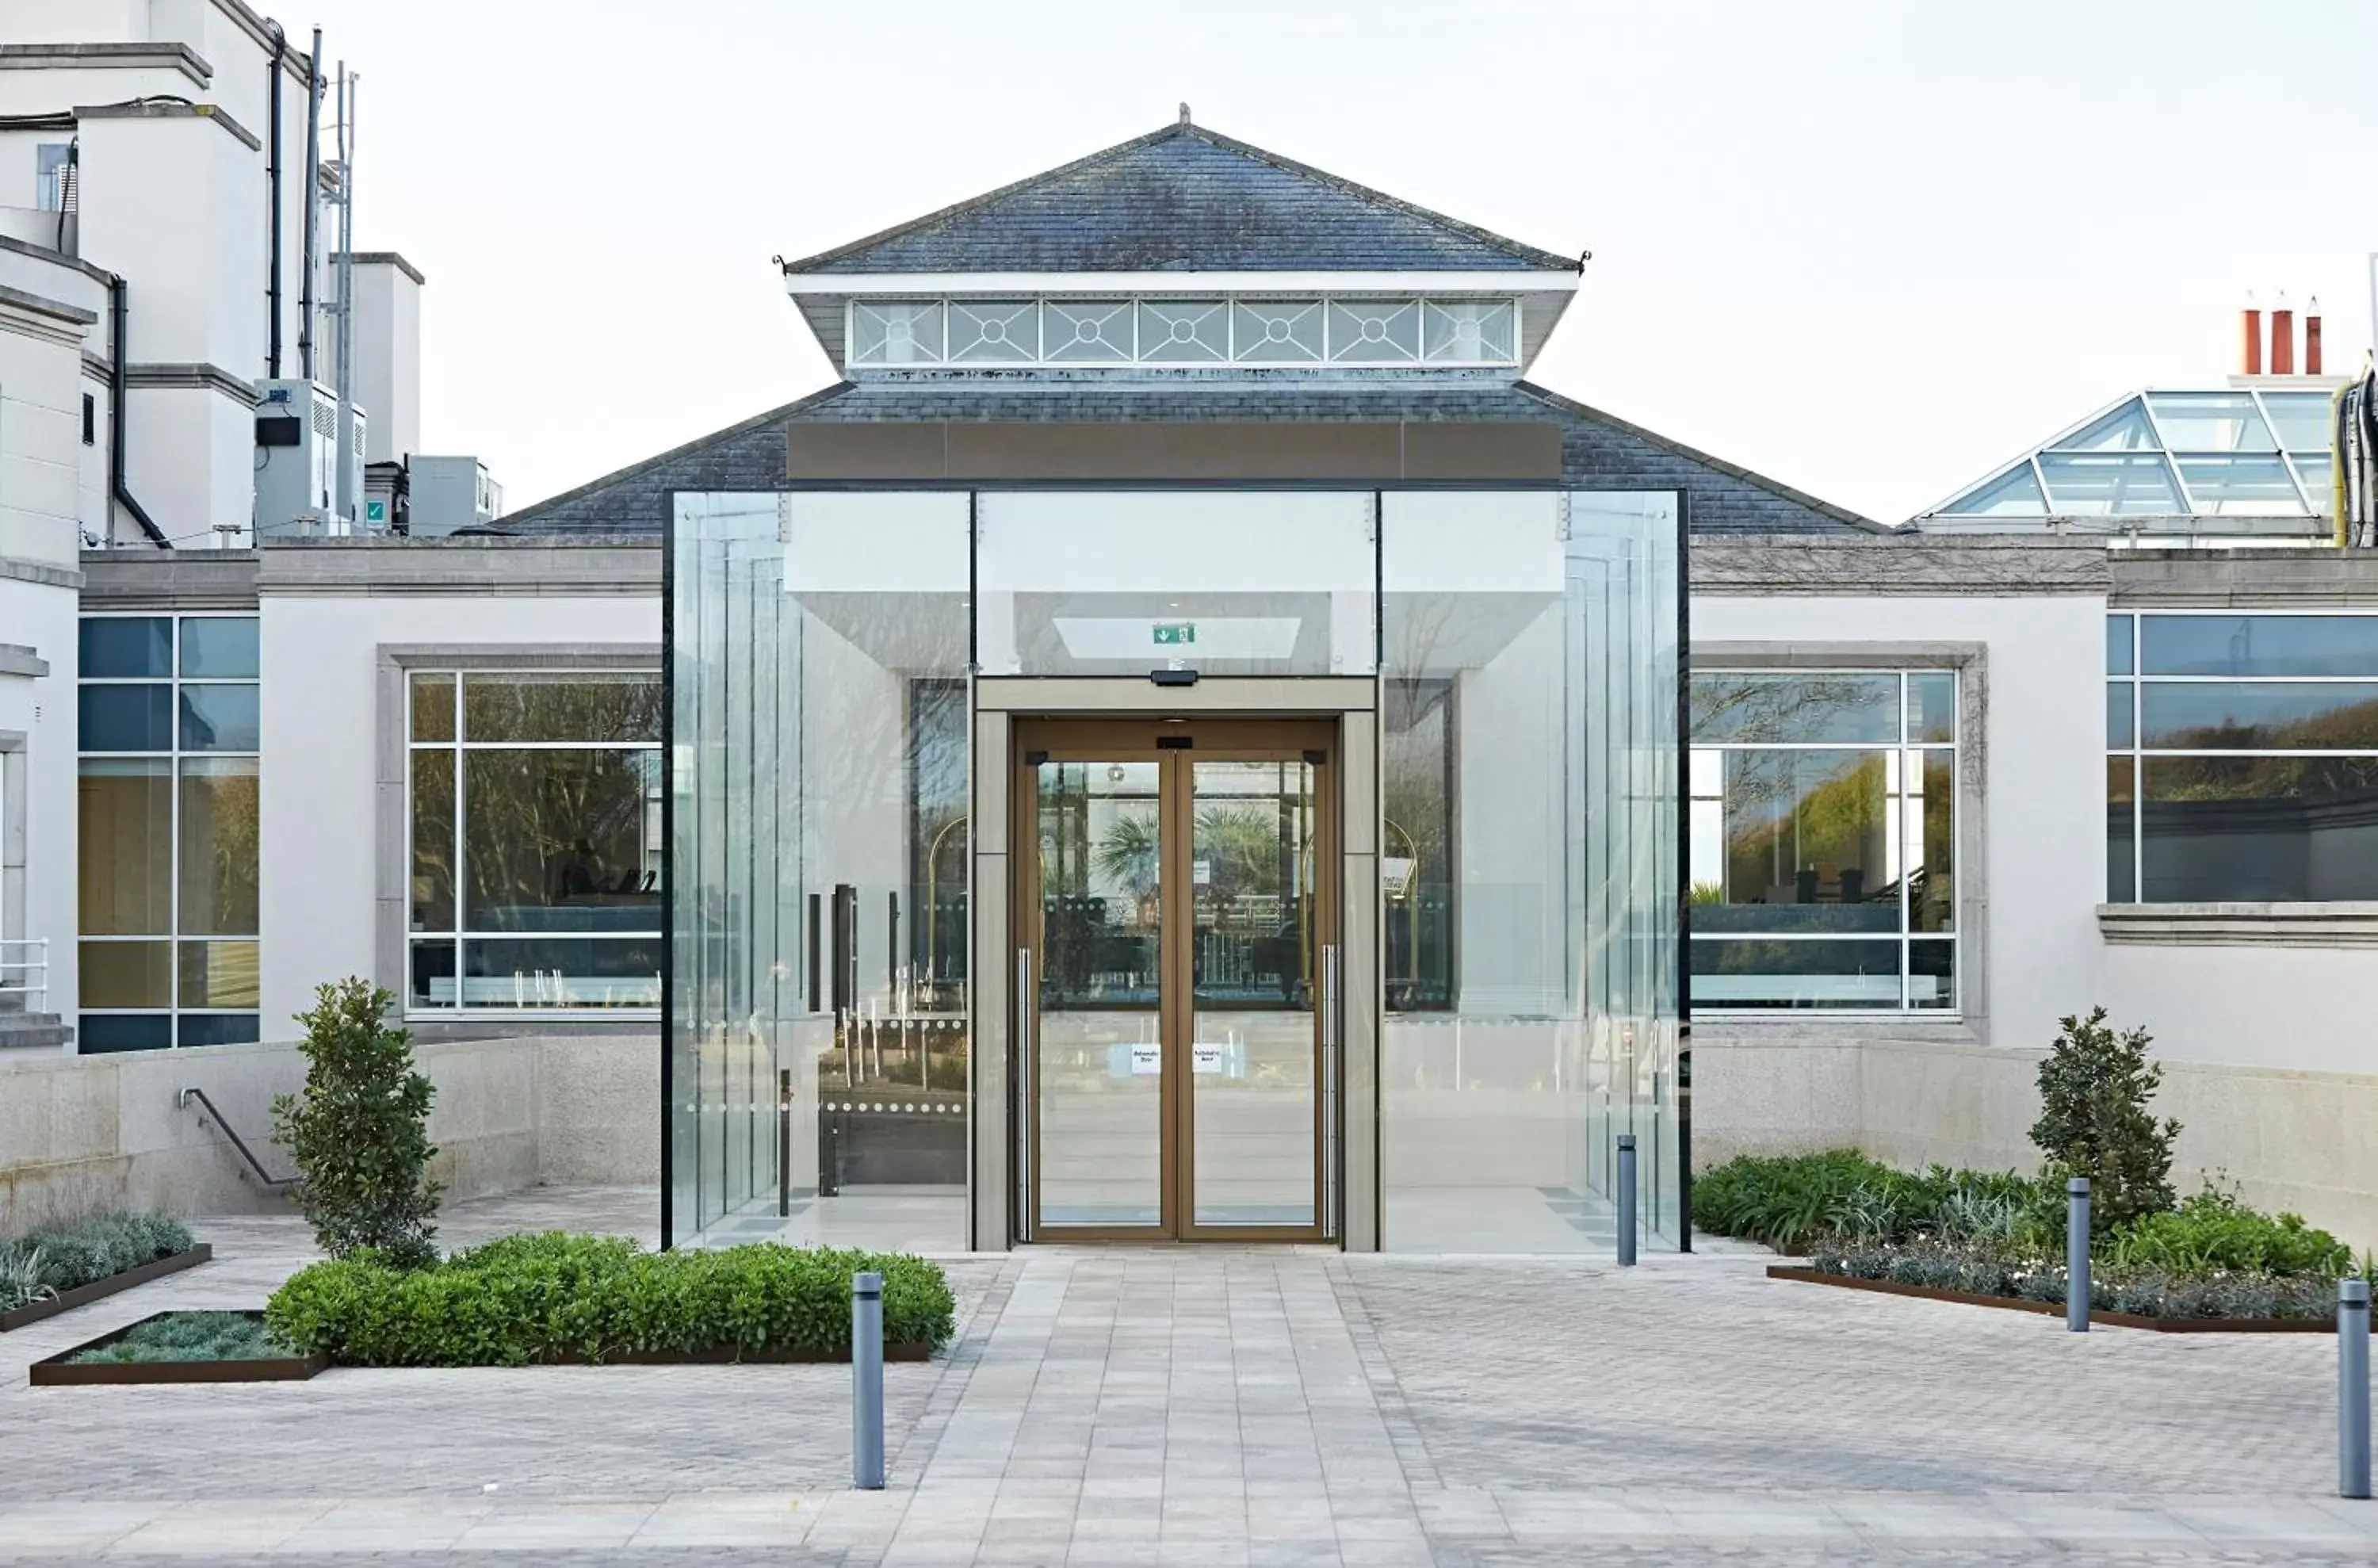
[
  {"x": 84, "y": 1132},
  {"x": 2299, "y": 1141}
]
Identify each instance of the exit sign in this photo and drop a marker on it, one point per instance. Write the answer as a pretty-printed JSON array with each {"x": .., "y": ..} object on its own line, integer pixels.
[{"x": 1176, "y": 633}]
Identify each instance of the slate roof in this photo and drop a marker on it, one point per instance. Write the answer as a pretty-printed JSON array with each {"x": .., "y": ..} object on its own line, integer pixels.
[
  {"x": 1598, "y": 451},
  {"x": 1183, "y": 198}
]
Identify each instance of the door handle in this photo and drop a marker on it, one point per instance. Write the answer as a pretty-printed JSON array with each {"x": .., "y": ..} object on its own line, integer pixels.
[
  {"x": 1023, "y": 1093},
  {"x": 1329, "y": 1092}
]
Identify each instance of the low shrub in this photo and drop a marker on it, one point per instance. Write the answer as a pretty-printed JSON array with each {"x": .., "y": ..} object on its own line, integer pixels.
[
  {"x": 1985, "y": 1269},
  {"x": 54, "y": 1258},
  {"x": 187, "y": 1336},
  {"x": 1791, "y": 1201},
  {"x": 561, "y": 1298},
  {"x": 359, "y": 1131},
  {"x": 2212, "y": 1232}
]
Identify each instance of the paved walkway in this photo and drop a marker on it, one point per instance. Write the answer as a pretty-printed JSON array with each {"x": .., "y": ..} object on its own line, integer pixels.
[{"x": 1235, "y": 1406}]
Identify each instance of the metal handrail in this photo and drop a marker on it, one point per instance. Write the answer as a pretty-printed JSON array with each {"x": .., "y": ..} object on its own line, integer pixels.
[
  {"x": 272, "y": 1183},
  {"x": 34, "y": 957}
]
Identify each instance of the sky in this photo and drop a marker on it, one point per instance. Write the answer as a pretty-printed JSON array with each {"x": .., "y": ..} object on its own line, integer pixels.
[{"x": 1870, "y": 248}]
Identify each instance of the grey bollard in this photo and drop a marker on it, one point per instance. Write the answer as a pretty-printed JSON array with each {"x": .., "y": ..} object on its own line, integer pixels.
[
  {"x": 867, "y": 1381},
  {"x": 1626, "y": 1200},
  {"x": 2076, "y": 1254},
  {"x": 2352, "y": 1388}
]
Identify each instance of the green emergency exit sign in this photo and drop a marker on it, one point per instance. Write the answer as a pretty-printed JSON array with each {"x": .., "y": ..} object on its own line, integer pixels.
[
  {"x": 374, "y": 511},
  {"x": 1176, "y": 633}
]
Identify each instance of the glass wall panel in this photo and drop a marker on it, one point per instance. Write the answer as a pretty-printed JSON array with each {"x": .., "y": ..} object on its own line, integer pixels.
[
  {"x": 168, "y": 843},
  {"x": 127, "y": 647},
  {"x": 124, "y": 815},
  {"x": 1530, "y": 774},
  {"x": 1225, "y": 582},
  {"x": 555, "y": 841},
  {"x": 2255, "y": 828},
  {"x": 578, "y": 710},
  {"x": 2259, "y": 645},
  {"x": 2122, "y": 831},
  {"x": 818, "y": 779},
  {"x": 2326, "y": 716},
  {"x": 220, "y": 854}
]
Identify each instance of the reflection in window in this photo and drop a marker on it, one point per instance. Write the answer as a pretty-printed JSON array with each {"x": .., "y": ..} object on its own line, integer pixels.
[
  {"x": 1823, "y": 815},
  {"x": 1416, "y": 848},
  {"x": 2251, "y": 772},
  {"x": 168, "y": 831},
  {"x": 534, "y": 813}
]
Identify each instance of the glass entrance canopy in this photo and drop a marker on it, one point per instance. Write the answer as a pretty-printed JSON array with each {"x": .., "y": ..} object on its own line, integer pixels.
[
  {"x": 1500, "y": 668},
  {"x": 2246, "y": 452}
]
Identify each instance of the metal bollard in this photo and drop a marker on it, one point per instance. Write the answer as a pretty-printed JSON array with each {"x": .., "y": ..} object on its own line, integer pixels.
[
  {"x": 2076, "y": 1254},
  {"x": 2352, "y": 1388},
  {"x": 1626, "y": 1200},
  {"x": 867, "y": 1381}
]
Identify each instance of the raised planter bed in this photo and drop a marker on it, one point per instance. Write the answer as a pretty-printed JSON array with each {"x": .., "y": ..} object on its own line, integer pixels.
[
  {"x": 58, "y": 1371},
  {"x": 2055, "y": 1308},
  {"x": 99, "y": 1290}
]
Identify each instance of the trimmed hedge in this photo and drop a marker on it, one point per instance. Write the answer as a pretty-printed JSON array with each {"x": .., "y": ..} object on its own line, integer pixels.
[{"x": 528, "y": 1299}]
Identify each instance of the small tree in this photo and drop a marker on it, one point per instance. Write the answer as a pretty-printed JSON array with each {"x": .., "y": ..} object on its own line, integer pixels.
[
  {"x": 359, "y": 1133},
  {"x": 2094, "y": 1119}
]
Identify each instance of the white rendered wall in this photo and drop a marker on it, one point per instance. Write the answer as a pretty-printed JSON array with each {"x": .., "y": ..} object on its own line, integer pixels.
[
  {"x": 320, "y": 826},
  {"x": 190, "y": 460},
  {"x": 42, "y": 710},
  {"x": 40, "y": 440},
  {"x": 175, "y": 204},
  {"x": 2044, "y": 773},
  {"x": 387, "y": 360}
]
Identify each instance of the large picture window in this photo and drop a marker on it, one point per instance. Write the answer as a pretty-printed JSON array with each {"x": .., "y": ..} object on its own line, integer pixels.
[
  {"x": 535, "y": 844},
  {"x": 2242, "y": 758},
  {"x": 167, "y": 866},
  {"x": 1824, "y": 831}
]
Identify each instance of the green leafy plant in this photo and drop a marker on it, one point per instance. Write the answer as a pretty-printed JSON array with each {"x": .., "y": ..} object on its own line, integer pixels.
[
  {"x": 2212, "y": 1231},
  {"x": 71, "y": 1253},
  {"x": 21, "y": 1284},
  {"x": 187, "y": 1336},
  {"x": 359, "y": 1133},
  {"x": 2094, "y": 1089},
  {"x": 561, "y": 1298}
]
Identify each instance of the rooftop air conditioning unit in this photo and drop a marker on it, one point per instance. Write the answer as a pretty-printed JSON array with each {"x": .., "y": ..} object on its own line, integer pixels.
[{"x": 297, "y": 463}]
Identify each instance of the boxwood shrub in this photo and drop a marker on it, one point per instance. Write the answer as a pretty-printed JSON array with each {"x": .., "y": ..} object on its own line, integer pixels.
[{"x": 561, "y": 1298}]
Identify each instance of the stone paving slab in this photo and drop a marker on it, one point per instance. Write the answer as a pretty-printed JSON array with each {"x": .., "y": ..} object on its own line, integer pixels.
[{"x": 1115, "y": 1406}]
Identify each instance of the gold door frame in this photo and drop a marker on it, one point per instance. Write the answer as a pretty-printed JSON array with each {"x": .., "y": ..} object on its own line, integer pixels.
[{"x": 1161, "y": 741}]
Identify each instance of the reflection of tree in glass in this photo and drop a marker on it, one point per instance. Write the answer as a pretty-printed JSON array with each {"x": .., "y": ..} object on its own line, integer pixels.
[
  {"x": 236, "y": 854},
  {"x": 1838, "y": 820},
  {"x": 553, "y": 827},
  {"x": 1126, "y": 855},
  {"x": 1240, "y": 848}
]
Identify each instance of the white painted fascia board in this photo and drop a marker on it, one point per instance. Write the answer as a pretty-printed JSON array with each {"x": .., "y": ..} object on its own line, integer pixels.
[{"x": 1489, "y": 283}]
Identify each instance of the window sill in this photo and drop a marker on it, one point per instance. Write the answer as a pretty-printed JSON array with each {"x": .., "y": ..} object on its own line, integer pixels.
[{"x": 2241, "y": 925}]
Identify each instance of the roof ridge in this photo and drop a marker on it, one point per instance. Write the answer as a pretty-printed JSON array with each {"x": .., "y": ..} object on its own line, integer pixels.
[
  {"x": 784, "y": 411},
  {"x": 1189, "y": 129},
  {"x": 1749, "y": 476}
]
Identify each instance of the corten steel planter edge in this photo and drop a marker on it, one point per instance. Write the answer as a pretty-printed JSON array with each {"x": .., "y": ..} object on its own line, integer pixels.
[
  {"x": 2054, "y": 1309},
  {"x": 99, "y": 1290},
  {"x": 56, "y": 1371}
]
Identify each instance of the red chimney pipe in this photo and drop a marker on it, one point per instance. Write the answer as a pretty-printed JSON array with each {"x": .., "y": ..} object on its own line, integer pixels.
[
  {"x": 2311, "y": 337},
  {"x": 2282, "y": 339},
  {"x": 2250, "y": 339}
]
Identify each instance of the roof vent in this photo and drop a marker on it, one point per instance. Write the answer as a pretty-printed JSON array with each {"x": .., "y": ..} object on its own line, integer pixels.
[{"x": 1184, "y": 113}]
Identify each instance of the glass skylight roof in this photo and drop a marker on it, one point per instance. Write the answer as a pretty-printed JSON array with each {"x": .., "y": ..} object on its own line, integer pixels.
[{"x": 2246, "y": 453}]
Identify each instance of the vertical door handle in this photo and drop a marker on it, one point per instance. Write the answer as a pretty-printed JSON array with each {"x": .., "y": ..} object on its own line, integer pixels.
[
  {"x": 1023, "y": 1093},
  {"x": 1329, "y": 1092}
]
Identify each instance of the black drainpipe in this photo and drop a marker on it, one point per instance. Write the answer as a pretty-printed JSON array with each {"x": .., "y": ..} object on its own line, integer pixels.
[
  {"x": 272, "y": 180},
  {"x": 117, "y": 382}
]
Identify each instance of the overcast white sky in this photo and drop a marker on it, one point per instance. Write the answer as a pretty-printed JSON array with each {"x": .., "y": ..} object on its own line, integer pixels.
[{"x": 1868, "y": 246}]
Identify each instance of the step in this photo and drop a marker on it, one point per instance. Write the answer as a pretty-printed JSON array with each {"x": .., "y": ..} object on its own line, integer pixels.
[{"x": 33, "y": 1031}]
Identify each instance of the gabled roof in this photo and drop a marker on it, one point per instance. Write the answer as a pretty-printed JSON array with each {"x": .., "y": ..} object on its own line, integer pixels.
[
  {"x": 1598, "y": 451},
  {"x": 1183, "y": 198}
]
